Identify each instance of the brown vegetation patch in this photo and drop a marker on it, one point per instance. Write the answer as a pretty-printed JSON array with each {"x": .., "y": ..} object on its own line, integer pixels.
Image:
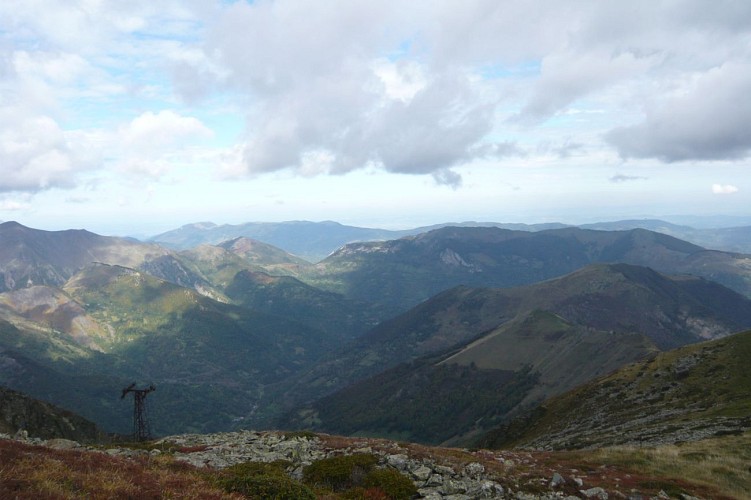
[{"x": 40, "y": 473}]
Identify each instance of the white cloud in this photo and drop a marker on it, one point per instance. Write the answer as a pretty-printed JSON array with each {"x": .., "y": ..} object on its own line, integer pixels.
[
  {"x": 153, "y": 144},
  {"x": 724, "y": 189},
  {"x": 16, "y": 203},
  {"x": 423, "y": 87},
  {"x": 705, "y": 119},
  {"x": 336, "y": 86},
  {"x": 166, "y": 129},
  {"x": 401, "y": 79},
  {"x": 570, "y": 75},
  {"x": 36, "y": 154}
]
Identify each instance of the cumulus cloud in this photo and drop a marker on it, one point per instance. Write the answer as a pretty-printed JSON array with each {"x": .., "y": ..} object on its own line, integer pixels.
[
  {"x": 163, "y": 130},
  {"x": 149, "y": 142},
  {"x": 353, "y": 80},
  {"x": 36, "y": 154},
  {"x": 724, "y": 189},
  {"x": 421, "y": 87},
  {"x": 567, "y": 76},
  {"x": 356, "y": 104},
  {"x": 708, "y": 120},
  {"x": 430, "y": 131}
]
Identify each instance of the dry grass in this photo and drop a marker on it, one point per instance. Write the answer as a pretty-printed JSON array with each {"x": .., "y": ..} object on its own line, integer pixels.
[
  {"x": 41, "y": 473},
  {"x": 720, "y": 463}
]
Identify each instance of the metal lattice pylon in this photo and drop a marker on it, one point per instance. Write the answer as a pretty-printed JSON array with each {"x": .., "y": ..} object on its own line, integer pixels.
[{"x": 141, "y": 430}]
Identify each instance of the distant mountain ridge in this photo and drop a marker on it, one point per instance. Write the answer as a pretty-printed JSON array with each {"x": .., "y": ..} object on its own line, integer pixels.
[
  {"x": 314, "y": 241},
  {"x": 402, "y": 273},
  {"x": 35, "y": 257},
  {"x": 310, "y": 240}
]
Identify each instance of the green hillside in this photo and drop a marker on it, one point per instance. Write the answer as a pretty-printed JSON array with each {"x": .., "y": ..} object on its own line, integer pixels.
[
  {"x": 210, "y": 360},
  {"x": 420, "y": 402},
  {"x": 562, "y": 354},
  {"x": 615, "y": 298},
  {"x": 690, "y": 393},
  {"x": 341, "y": 318},
  {"x": 452, "y": 397},
  {"x": 42, "y": 420},
  {"x": 562, "y": 332}
]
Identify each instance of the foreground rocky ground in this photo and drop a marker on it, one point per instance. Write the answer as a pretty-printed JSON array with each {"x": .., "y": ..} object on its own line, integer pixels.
[{"x": 438, "y": 473}]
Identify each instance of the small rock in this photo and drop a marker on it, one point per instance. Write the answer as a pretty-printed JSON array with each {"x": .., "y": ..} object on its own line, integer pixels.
[
  {"x": 429, "y": 494},
  {"x": 451, "y": 487},
  {"x": 579, "y": 482},
  {"x": 398, "y": 461},
  {"x": 557, "y": 480},
  {"x": 62, "y": 444},
  {"x": 684, "y": 496},
  {"x": 487, "y": 489},
  {"x": 444, "y": 471},
  {"x": 597, "y": 493},
  {"x": 474, "y": 469},
  {"x": 422, "y": 473},
  {"x": 21, "y": 434},
  {"x": 434, "y": 480}
]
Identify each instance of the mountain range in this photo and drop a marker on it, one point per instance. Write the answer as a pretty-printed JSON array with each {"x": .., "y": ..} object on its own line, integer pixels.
[
  {"x": 471, "y": 325},
  {"x": 314, "y": 241},
  {"x": 401, "y": 273}
]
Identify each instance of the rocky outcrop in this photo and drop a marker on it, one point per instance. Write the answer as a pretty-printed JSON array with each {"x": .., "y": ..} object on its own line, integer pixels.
[{"x": 438, "y": 473}]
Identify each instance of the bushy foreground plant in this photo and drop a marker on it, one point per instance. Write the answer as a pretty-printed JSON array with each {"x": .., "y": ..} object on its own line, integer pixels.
[
  {"x": 356, "y": 477},
  {"x": 339, "y": 473},
  {"x": 392, "y": 483},
  {"x": 263, "y": 480}
]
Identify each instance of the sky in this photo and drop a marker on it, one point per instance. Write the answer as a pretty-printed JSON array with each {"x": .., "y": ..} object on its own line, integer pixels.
[{"x": 138, "y": 117}]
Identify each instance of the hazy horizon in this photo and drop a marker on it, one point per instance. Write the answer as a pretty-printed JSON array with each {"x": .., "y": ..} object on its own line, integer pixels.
[{"x": 693, "y": 221}]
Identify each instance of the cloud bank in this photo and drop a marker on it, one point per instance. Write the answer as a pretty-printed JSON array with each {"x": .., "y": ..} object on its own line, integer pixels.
[{"x": 327, "y": 88}]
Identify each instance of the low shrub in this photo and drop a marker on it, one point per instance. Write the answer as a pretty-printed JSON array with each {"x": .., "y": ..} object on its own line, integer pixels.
[
  {"x": 300, "y": 434},
  {"x": 392, "y": 483},
  {"x": 263, "y": 480},
  {"x": 339, "y": 473}
]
